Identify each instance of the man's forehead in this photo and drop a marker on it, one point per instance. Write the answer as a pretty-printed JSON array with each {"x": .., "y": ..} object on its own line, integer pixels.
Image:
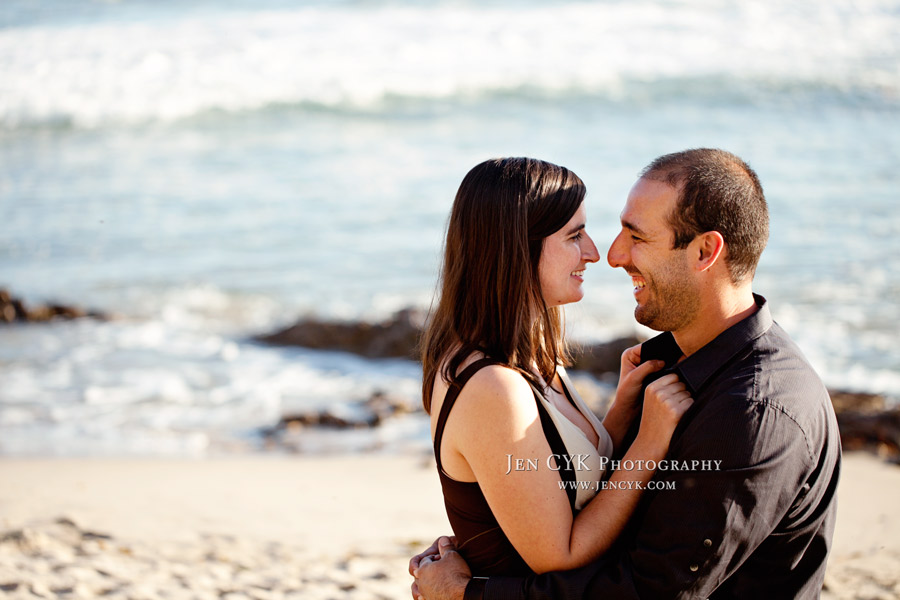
[{"x": 648, "y": 204}]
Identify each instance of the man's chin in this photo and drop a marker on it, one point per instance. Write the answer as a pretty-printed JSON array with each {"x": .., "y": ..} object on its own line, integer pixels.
[{"x": 649, "y": 321}]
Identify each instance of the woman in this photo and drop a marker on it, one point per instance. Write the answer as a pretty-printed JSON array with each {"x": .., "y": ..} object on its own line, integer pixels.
[{"x": 500, "y": 402}]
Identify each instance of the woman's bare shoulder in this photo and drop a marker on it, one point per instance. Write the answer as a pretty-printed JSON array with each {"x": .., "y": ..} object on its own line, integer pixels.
[
  {"x": 497, "y": 400},
  {"x": 495, "y": 388}
]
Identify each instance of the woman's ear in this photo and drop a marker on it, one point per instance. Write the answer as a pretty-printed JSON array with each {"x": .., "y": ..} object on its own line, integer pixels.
[{"x": 709, "y": 247}]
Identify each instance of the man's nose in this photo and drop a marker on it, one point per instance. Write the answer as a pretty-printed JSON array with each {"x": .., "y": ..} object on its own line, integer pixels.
[{"x": 616, "y": 257}]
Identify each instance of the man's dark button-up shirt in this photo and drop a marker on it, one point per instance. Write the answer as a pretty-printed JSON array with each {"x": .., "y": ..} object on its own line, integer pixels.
[{"x": 758, "y": 527}]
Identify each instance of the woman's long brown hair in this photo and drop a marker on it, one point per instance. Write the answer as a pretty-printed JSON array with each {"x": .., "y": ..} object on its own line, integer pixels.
[{"x": 490, "y": 292}]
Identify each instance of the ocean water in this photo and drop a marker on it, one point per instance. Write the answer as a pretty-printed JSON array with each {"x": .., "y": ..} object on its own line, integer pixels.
[{"x": 211, "y": 170}]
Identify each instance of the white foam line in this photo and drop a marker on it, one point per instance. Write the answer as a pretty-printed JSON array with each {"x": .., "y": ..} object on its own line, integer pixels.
[{"x": 93, "y": 74}]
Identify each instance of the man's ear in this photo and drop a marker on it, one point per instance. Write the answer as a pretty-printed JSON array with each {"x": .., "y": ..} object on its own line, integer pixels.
[{"x": 709, "y": 248}]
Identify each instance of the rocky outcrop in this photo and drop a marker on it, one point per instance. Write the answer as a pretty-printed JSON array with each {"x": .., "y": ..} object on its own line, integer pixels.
[
  {"x": 398, "y": 337},
  {"x": 364, "y": 414},
  {"x": 866, "y": 423},
  {"x": 395, "y": 337},
  {"x": 13, "y": 309}
]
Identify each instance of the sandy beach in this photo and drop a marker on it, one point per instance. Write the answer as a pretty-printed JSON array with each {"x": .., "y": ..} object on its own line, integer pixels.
[{"x": 300, "y": 527}]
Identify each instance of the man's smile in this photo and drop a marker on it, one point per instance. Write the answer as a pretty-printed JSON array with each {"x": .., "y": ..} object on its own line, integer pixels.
[{"x": 638, "y": 283}]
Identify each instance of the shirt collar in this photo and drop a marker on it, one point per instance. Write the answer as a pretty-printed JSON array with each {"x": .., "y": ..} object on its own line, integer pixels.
[{"x": 696, "y": 369}]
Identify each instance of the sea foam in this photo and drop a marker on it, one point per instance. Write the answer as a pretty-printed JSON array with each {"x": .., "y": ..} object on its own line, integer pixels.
[{"x": 352, "y": 57}]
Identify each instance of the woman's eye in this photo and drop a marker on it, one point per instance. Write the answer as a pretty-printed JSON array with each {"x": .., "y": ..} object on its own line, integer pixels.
[{"x": 577, "y": 236}]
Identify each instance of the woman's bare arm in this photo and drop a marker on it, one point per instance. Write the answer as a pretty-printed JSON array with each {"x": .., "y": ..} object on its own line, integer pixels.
[{"x": 495, "y": 431}]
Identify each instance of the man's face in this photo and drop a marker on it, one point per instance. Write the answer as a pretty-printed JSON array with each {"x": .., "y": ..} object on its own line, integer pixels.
[{"x": 665, "y": 287}]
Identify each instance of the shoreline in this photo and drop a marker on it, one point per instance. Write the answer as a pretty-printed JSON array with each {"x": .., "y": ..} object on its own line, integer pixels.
[
  {"x": 318, "y": 385},
  {"x": 301, "y": 526}
]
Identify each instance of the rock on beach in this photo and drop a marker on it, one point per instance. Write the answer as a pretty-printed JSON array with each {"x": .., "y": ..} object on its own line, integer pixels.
[
  {"x": 867, "y": 423},
  {"x": 399, "y": 337},
  {"x": 13, "y": 309},
  {"x": 396, "y": 337}
]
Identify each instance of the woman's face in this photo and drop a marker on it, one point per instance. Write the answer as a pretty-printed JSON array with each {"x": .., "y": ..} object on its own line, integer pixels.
[{"x": 564, "y": 256}]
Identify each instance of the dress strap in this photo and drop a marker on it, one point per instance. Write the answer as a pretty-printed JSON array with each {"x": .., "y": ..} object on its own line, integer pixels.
[
  {"x": 557, "y": 446},
  {"x": 450, "y": 400}
]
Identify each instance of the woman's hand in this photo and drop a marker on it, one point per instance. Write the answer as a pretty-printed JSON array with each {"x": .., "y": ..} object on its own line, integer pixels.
[
  {"x": 632, "y": 374},
  {"x": 625, "y": 408},
  {"x": 665, "y": 402}
]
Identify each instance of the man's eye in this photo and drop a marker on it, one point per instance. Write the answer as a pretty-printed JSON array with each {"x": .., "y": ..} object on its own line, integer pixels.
[
  {"x": 635, "y": 238},
  {"x": 577, "y": 236}
]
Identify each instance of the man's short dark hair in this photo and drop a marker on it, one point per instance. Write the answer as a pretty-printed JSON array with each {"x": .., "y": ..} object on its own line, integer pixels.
[{"x": 717, "y": 192}]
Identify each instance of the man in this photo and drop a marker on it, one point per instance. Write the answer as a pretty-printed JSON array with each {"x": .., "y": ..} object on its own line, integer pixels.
[{"x": 760, "y": 524}]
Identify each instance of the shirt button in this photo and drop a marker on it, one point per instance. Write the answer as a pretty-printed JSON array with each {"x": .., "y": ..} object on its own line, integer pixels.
[
  {"x": 707, "y": 542},
  {"x": 695, "y": 568}
]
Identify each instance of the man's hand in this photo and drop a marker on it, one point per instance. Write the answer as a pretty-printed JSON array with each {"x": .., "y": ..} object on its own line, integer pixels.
[
  {"x": 432, "y": 551},
  {"x": 441, "y": 576}
]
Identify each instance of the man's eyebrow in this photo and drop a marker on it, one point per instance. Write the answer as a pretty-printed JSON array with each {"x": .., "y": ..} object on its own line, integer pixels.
[
  {"x": 633, "y": 227},
  {"x": 574, "y": 229}
]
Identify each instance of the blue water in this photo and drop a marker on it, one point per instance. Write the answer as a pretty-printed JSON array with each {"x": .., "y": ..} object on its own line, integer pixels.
[{"x": 211, "y": 170}]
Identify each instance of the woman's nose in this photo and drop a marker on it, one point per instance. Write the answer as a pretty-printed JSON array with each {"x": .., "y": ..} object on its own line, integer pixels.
[{"x": 590, "y": 252}]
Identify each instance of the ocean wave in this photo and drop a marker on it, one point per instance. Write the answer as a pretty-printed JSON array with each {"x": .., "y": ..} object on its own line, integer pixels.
[
  {"x": 164, "y": 386},
  {"x": 371, "y": 58}
]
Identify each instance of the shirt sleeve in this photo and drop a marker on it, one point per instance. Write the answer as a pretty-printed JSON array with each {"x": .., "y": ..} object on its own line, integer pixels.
[{"x": 707, "y": 519}]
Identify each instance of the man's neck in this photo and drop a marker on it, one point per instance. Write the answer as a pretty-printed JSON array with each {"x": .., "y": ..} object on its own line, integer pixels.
[{"x": 722, "y": 310}]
